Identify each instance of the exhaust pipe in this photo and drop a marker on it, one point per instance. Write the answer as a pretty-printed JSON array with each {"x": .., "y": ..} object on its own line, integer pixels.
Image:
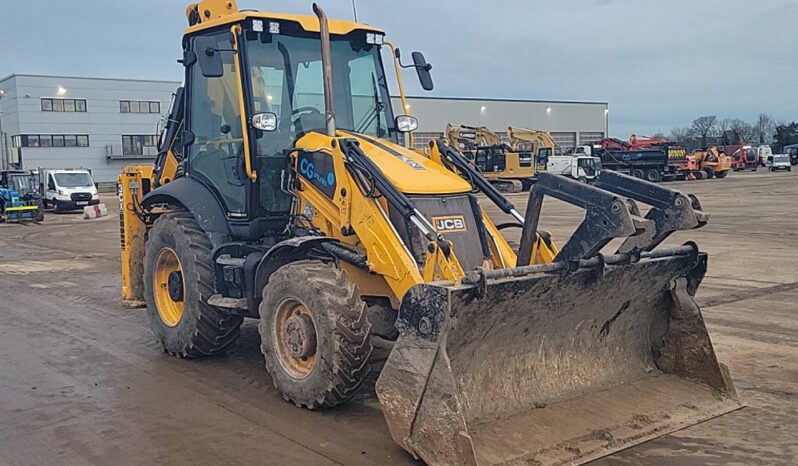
[{"x": 326, "y": 62}]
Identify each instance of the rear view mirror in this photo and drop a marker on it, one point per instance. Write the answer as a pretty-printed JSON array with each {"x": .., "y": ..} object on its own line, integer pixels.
[
  {"x": 264, "y": 121},
  {"x": 210, "y": 59},
  {"x": 423, "y": 69}
]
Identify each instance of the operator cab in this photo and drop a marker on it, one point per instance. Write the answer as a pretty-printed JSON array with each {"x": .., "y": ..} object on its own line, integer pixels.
[{"x": 253, "y": 92}]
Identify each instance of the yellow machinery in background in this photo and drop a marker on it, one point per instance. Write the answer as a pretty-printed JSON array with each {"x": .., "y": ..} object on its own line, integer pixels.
[
  {"x": 539, "y": 144},
  {"x": 509, "y": 170},
  {"x": 712, "y": 162},
  {"x": 366, "y": 260}
]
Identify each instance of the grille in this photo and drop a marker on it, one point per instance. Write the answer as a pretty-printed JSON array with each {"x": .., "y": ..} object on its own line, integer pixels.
[{"x": 80, "y": 196}]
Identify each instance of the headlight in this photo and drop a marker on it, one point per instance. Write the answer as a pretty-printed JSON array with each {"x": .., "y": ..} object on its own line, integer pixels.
[{"x": 62, "y": 192}]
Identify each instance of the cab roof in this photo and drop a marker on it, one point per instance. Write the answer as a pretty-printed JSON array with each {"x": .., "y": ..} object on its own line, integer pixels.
[{"x": 307, "y": 22}]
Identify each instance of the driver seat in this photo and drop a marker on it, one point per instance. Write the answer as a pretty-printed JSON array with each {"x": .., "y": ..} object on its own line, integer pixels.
[{"x": 307, "y": 122}]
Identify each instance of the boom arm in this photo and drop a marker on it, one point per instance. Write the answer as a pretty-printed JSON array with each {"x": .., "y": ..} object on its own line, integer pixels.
[
  {"x": 518, "y": 136},
  {"x": 471, "y": 136}
]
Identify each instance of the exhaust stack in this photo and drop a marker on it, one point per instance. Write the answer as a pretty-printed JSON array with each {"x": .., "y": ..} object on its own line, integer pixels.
[{"x": 326, "y": 62}]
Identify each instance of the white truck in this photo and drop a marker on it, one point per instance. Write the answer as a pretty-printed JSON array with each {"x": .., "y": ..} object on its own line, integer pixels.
[
  {"x": 68, "y": 189},
  {"x": 579, "y": 167},
  {"x": 763, "y": 152}
]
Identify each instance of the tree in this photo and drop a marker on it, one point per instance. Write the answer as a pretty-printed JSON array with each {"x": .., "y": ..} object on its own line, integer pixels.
[
  {"x": 784, "y": 135},
  {"x": 740, "y": 130},
  {"x": 680, "y": 136},
  {"x": 703, "y": 127},
  {"x": 724, "y": 132},
  {"x": 763, "y": 127}
]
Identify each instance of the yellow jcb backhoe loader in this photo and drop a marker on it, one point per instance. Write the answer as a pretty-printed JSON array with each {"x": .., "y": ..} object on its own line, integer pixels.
[
  {"x": 509, "y": 171},
  {"x": 539, "y": 144},
  {"x": 280, "y": 192}
]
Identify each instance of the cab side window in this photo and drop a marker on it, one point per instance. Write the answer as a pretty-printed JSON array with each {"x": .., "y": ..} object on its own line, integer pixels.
[
  {"x": 50, "y": 182},
  {"x": 217, "y": 153}
]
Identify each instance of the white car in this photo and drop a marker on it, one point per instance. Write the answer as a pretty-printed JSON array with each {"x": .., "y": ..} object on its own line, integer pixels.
[{"x": 66, "y": 190}]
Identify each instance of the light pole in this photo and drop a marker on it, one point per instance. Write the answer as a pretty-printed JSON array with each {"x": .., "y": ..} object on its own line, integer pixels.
[{"x": 3, "y": 145}]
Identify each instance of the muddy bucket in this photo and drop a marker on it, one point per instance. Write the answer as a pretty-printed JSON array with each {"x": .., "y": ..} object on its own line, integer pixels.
[{"x": 551, "y": 366}]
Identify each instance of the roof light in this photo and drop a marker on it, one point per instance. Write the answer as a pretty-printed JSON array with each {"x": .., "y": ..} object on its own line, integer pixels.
[
  {"x": 548, "y": 109},
  {"x": 61, "y": 91},
  {"x": 374, "y": 38},
  {"x": 257, "y": 25},
  {"x": 483, "y": 108},
  {"x": 274, "y": 27}
]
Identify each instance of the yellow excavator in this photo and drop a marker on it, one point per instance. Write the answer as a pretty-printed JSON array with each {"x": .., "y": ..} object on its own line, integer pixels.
[
  {"x": 508, "y": 170},
  {"x": 539, "y": 144},
  {"x": 280, "y": 193}
]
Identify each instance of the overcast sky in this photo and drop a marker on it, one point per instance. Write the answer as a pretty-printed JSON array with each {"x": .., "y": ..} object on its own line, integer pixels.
[{"x": 659, "y": 64}]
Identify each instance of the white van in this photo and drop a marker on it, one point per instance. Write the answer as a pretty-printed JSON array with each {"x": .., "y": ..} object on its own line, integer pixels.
[
  {"x": 66, "y": 190},
  {"x": 579, "y": 167},
  {"x": 778, "y": 162}
]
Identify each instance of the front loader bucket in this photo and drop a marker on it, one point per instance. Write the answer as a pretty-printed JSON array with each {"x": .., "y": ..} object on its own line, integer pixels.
[{"x": 552, "y": 365}]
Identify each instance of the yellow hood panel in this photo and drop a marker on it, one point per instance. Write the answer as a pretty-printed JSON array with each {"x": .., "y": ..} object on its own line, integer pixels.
[{"x": 409, "y": 171}]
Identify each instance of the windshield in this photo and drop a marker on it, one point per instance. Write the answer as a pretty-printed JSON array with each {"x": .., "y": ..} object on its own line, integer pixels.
[
  {"x": 588, "y": 165},
  {"x": 286, "y": 79},
  {"x": 74, "y": 180},
  {"x": 24, "y": 184}
]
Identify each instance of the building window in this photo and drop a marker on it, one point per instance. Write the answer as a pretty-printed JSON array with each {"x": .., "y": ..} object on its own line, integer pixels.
[
  {"x": 50, "y": 140},
  {"x": 63, "y": 105},
  {"x": 139, "y": 106},
  {"x": 139, "y": 144}
]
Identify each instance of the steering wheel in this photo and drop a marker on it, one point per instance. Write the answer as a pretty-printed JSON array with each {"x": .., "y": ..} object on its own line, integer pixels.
[{"x": 299, "y": 110}]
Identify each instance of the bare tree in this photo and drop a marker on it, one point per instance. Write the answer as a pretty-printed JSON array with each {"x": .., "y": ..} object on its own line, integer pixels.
[
  {"x": 740, "y": 130},
  {"x": 724, "y": 127},
  {"x": 764, "y": 127},
  {"x": 703, "y": 127},
  {"x": 680, "y": 135}
]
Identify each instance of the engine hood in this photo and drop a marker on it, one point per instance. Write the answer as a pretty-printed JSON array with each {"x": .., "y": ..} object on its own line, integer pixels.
[{"x": 409, "y": 171}]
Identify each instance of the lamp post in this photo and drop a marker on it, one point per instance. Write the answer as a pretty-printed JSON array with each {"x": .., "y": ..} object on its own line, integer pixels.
[{"x": 3, "y": 145}]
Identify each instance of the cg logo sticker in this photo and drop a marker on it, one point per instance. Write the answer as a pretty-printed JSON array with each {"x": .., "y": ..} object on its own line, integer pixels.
[
  {"x": 308, "y": 169},
  {"x": 318, "y": 169}
]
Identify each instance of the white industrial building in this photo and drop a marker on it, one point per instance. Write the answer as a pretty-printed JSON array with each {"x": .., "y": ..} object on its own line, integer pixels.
[{"x": 103, "y": 124}]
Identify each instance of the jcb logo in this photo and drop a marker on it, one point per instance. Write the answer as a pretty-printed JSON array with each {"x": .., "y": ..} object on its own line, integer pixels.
[{"x": 449, "y": 223}]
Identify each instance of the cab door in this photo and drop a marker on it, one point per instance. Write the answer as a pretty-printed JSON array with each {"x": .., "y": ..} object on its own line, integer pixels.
[{"x": 216, "y": 148}]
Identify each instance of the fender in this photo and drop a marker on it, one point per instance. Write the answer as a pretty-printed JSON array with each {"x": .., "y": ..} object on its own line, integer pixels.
[
  {"x": 280, "y": 254},
  {"x": 197, "y": 199}
]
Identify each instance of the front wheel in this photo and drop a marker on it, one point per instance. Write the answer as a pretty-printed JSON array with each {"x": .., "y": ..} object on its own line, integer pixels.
[
  {"x": 178, "y": 280},
  {"x": 314, "y": 334},
  {"x": 722, "y": 174}
]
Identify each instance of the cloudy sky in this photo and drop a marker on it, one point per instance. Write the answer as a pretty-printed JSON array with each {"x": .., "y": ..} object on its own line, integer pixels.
[{"x": 659, "y": 64}]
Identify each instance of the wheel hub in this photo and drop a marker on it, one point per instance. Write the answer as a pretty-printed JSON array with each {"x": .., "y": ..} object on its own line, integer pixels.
[
  {"x": 299, "y": 334},
  {"x": 175, "y": 286}
]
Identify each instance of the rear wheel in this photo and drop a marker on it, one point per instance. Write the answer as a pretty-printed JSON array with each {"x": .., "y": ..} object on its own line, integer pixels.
[
  {"x": 178, "y": 280},
  {"x": 722, "y": 174},
  {"x": 653, "y": 175},
  {"x": 638, "y": 173},
  {"x": 710, "y": 172},
  {"x": 314, "y": 334}
]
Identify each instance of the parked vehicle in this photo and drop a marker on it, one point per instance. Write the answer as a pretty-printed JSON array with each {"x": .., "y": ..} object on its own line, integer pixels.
[
  {"x": 745, "y": 157},
  {"x": 778, "y": 162},
  {"x": 792, "y": 151},
  {"x": 68, "y": 189},
  {"x": 20, "y": 200},
  {"x": 762, "y": 153},
  {"x": 579, "y": 167},
  {"x": 652, "y": 162}
]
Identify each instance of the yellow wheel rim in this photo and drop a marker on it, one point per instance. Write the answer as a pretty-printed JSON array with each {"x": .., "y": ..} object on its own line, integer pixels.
[
  {"x": 294, "y": 334},
  {"x": 169, "y": 287}
]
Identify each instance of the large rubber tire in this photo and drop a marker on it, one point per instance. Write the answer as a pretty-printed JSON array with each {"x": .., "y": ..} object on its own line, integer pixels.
[
  {"x": 201, "y": 330},
  {"x": 337, "y": 364},
  {"x": 710, "y": 172},
  {"x": 722, "y": 174},
  {"x": 653, "y": 175},
  {"x": 638, "y": 173}
]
